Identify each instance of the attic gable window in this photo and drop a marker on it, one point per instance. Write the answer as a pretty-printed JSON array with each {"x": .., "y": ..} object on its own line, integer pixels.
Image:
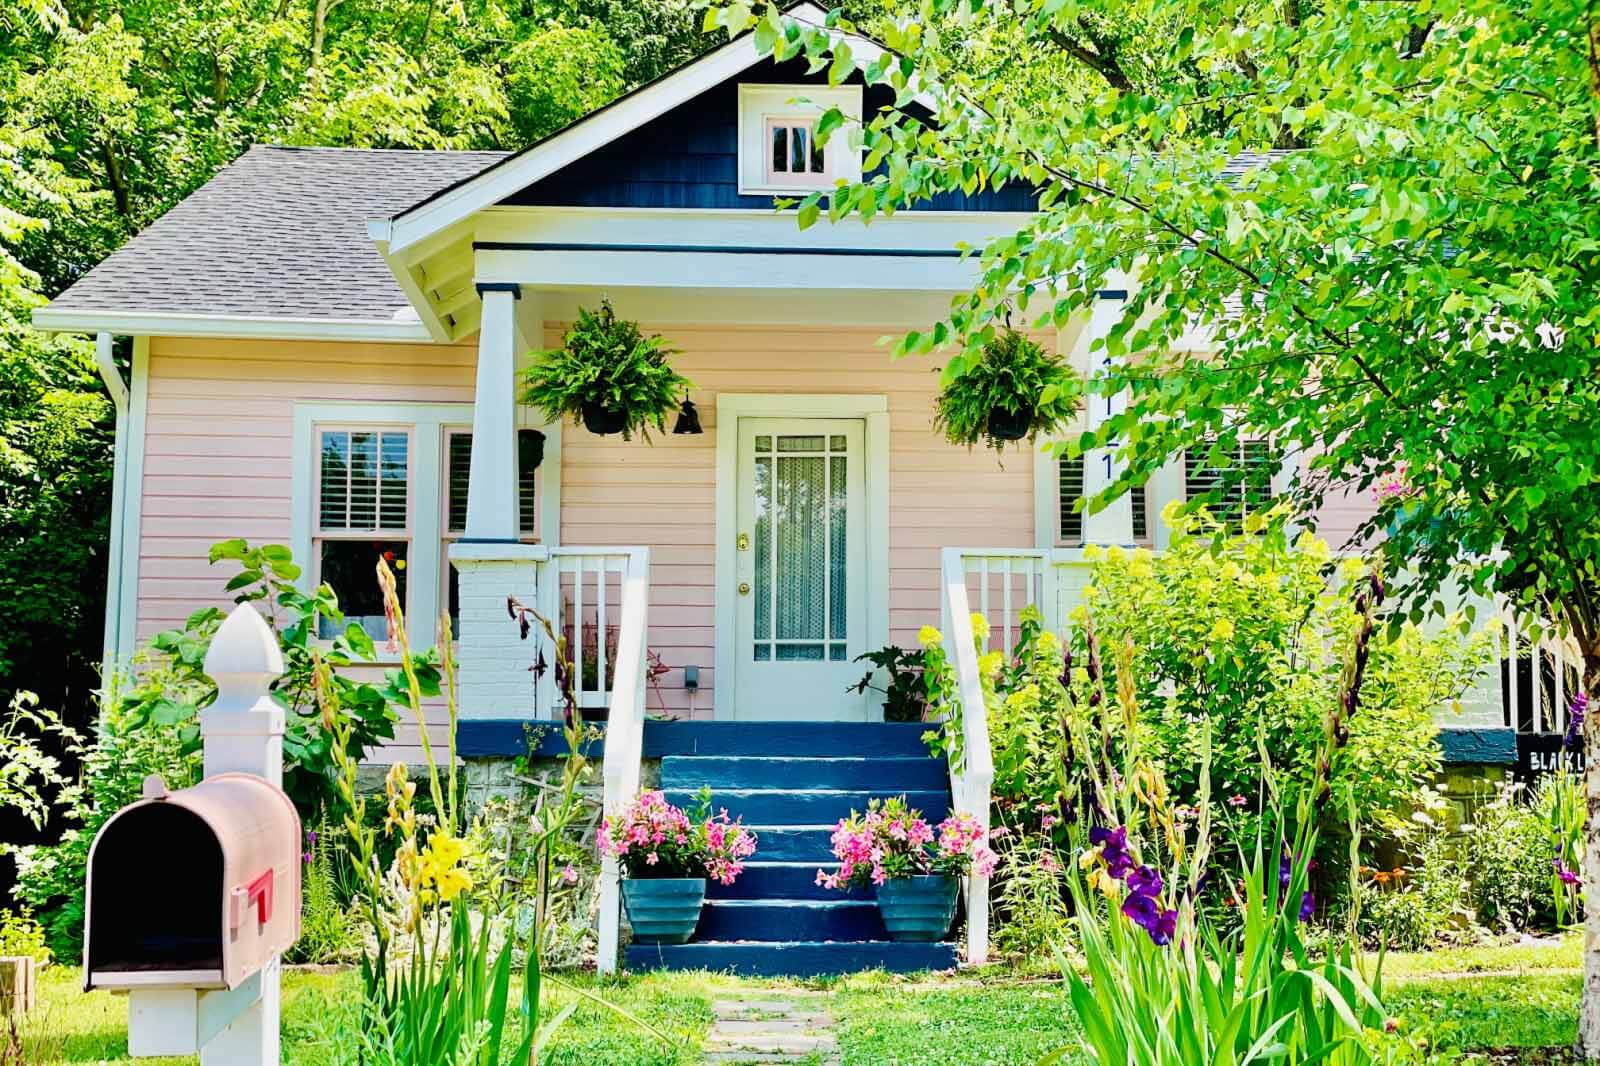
[
  {"x": 796, "y": 155},
  {"x": 778, "y": 149}
]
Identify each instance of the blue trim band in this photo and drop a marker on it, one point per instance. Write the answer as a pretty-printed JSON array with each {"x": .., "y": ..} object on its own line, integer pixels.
[{"x": 1479, "y": 747}]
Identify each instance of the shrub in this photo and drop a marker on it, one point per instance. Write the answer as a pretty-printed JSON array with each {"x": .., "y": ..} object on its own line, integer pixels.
[
  {"x": 606, "y": 362},
  {"x": 1412, "y": 906},
  {"x": 328, "y": 928},
  {"x": 173, "y": 688},
  {"x": 1030, "y": 908},
  {"x": 1014, "y": 375},
  {"x": 1246, "y": 633},
  {"x": 113, "y": 766},
  {"x": 21, "y": 934},
  {"x": 1515, "y": 848},
  {"x": 905, "y": 697}
]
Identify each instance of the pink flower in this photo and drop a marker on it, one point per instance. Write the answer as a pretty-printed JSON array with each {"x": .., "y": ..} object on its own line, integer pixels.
[
  {"x": 570, "y": 874},
  {"x": 1047, "y": 821},
  {"x": 1048, "y": 863}
]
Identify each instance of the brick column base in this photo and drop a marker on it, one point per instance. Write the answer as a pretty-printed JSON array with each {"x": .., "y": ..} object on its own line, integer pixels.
[{"x": 492, "y": 658}]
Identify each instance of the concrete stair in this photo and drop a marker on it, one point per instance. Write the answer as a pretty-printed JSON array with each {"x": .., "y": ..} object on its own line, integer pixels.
[{"x": 790, "y": 782}]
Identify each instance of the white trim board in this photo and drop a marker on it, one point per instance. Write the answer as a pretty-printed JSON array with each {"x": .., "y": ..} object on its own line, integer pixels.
[
  {"x": 589, "y": 134},
  {"x": 122, "y": 609},
  {"x": 232, "y": 327},
  {"x": 428, "y": 421},
  {"x": 874, "y": 409}
]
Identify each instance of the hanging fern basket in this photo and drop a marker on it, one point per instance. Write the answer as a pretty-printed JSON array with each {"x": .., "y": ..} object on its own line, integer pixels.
[
  {"x": 1010, "y": 425},
  {"x": 608, "y": 375},
  {"x": 604, "y": 421}
]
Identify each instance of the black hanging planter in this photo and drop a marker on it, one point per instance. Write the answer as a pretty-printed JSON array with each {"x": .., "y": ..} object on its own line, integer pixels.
[
  {"x": 1009, "y": 425},
  {"x": 603, "y": 421}
]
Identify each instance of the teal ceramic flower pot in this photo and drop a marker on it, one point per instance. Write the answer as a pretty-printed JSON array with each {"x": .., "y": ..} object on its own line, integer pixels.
[
  {"x": 663, "y": 910},
  {"x": 918, "y": 908}
]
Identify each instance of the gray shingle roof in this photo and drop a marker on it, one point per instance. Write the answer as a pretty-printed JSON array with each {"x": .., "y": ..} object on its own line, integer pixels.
[{"x": 280, "y": 232}]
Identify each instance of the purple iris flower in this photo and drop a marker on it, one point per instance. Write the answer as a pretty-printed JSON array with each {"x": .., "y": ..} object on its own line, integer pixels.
[
  {"x": 1566, "y": 875},
  {"x": 1308, "y": 906},
  {"x": 1284, "y": 869},
  {"x": 1113, "y": 844},
  {"x": 1575, "y": 711},
  {"x": 1144, "y": 881}
]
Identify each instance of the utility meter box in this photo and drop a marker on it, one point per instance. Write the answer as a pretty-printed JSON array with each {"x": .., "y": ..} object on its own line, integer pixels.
[{"x": 194, "y": 889}]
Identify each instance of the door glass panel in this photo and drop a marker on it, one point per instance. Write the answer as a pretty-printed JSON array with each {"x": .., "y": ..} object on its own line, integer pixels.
[
  {"x": 801, "y": 545},
  {"x": 801, "y": 570}
]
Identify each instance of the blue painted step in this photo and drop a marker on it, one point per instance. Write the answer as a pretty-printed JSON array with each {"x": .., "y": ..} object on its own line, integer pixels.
[
  {"x": 790, "y": 919},
  {"x": 888, "y": 776},
  {"x": 797, "y": 959},
  {"x": 794, "y": 843},
  {"x": 783, "y": 880},
  {"x": 822, "y": 806},
  {"x": 802, "y": 739}
]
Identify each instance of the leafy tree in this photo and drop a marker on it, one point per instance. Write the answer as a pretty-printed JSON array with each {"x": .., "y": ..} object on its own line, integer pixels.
[{"x": 1407, "y": 295}]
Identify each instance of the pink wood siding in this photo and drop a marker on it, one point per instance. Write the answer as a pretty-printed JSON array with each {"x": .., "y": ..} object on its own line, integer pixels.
[
  {"x": 219, "y": 429},
  {"x": 664, "y": 496}
]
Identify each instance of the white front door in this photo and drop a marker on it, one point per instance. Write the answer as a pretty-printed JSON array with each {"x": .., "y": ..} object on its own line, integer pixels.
[{"x": 802, "y": 569}]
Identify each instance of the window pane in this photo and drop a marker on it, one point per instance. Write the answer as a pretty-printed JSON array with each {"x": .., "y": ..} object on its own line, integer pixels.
[
  {"x": 335, "y": 481},
  {"x": 780, "y": 149},
  {"x": 1070, "y": 487},
  {"x": 816, "y": 157},
  {"x": 1247, "y": 473},
  {"x": 457, "y": 477},
  {"x": 452, "y": 591},
  {"x": 793, "y": 653},
  {"x": 350, "y": 568},
  {"x": 363, "y": 481},
  {"x": 1141, "y": 514},
  {"x": 392, "y": 490},
  {"x": 801, "y": 577},
  {"x": 800, "y": 444},
  {"x": 530, "y": 453},
  {"x": 799, "y": 148}
]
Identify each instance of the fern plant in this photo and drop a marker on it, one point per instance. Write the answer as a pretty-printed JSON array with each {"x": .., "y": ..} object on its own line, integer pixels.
[
  {"x": 608, "y": 374},
  {"x": 1015, "y": 389}
]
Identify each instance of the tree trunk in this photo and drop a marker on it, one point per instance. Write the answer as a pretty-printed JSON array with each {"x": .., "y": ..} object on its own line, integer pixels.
[{"x": 1589, "y": 1009}]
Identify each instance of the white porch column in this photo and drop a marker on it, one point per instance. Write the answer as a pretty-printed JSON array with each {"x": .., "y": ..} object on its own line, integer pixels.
[
  {"x": 490, "y": 561},
  {"x": 1114, "y": 525},
  {"x": 492, "y": 485}
]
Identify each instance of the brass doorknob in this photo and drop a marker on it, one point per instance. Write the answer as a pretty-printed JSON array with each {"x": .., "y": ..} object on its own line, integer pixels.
[{"x": 744, "y": 588}]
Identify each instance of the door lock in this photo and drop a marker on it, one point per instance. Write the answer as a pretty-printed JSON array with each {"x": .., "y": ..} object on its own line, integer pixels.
[
  {"x": 743, "y": 542},
  {"x": 744, "y": 588}
]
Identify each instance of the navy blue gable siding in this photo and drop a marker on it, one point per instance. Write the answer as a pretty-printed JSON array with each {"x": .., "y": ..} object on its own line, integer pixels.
[{"x": 689, "y": 158}]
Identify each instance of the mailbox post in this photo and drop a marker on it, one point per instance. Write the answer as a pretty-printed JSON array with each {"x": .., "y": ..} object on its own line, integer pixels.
[{"x": 242, "y": 732}]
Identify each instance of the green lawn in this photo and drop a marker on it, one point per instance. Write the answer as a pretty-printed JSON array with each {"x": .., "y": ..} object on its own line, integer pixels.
[{"x": 1471, "y": 1000}]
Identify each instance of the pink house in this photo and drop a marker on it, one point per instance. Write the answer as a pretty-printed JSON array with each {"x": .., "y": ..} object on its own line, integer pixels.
[{"x": 326, "y": 353}]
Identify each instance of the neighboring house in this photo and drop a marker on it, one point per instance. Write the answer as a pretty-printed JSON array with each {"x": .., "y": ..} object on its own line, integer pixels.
[{"x": 326, "y": 345}]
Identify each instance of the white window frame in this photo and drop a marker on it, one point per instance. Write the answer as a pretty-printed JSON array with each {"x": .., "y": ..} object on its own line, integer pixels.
[
  {"x": 760, "y": 106},
  {"x": 811, "y": 179},
  {"x": 450, "y": 536},
  {"x": 426, "y": 490},
  {"x": 311, "y": 562}
]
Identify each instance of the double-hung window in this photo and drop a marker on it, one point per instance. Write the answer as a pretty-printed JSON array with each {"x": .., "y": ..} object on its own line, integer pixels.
[
  {"x": 389, "y": 481},
  {"x": 1242, "y": 479},
  {"x": 457, "y": 475},
  {"x": 362, "y": 514},
  {"x": 796, "y": 157},
  {"x": 1069, "y": 520}
]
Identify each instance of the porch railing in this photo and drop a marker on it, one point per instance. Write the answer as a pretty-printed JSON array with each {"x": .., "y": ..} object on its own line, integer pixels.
[
  {"x": 1539, "y": 675},
  {"x": 599, "y": 598}
]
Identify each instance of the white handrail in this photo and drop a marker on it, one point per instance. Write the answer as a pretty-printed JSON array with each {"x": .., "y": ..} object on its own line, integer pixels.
[
  {"x": 624, "y": 745},
  {"x": 972, "y": 776}
]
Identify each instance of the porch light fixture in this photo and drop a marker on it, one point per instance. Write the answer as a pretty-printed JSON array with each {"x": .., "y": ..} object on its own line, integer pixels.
[{"x": 688, "y": 420}]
